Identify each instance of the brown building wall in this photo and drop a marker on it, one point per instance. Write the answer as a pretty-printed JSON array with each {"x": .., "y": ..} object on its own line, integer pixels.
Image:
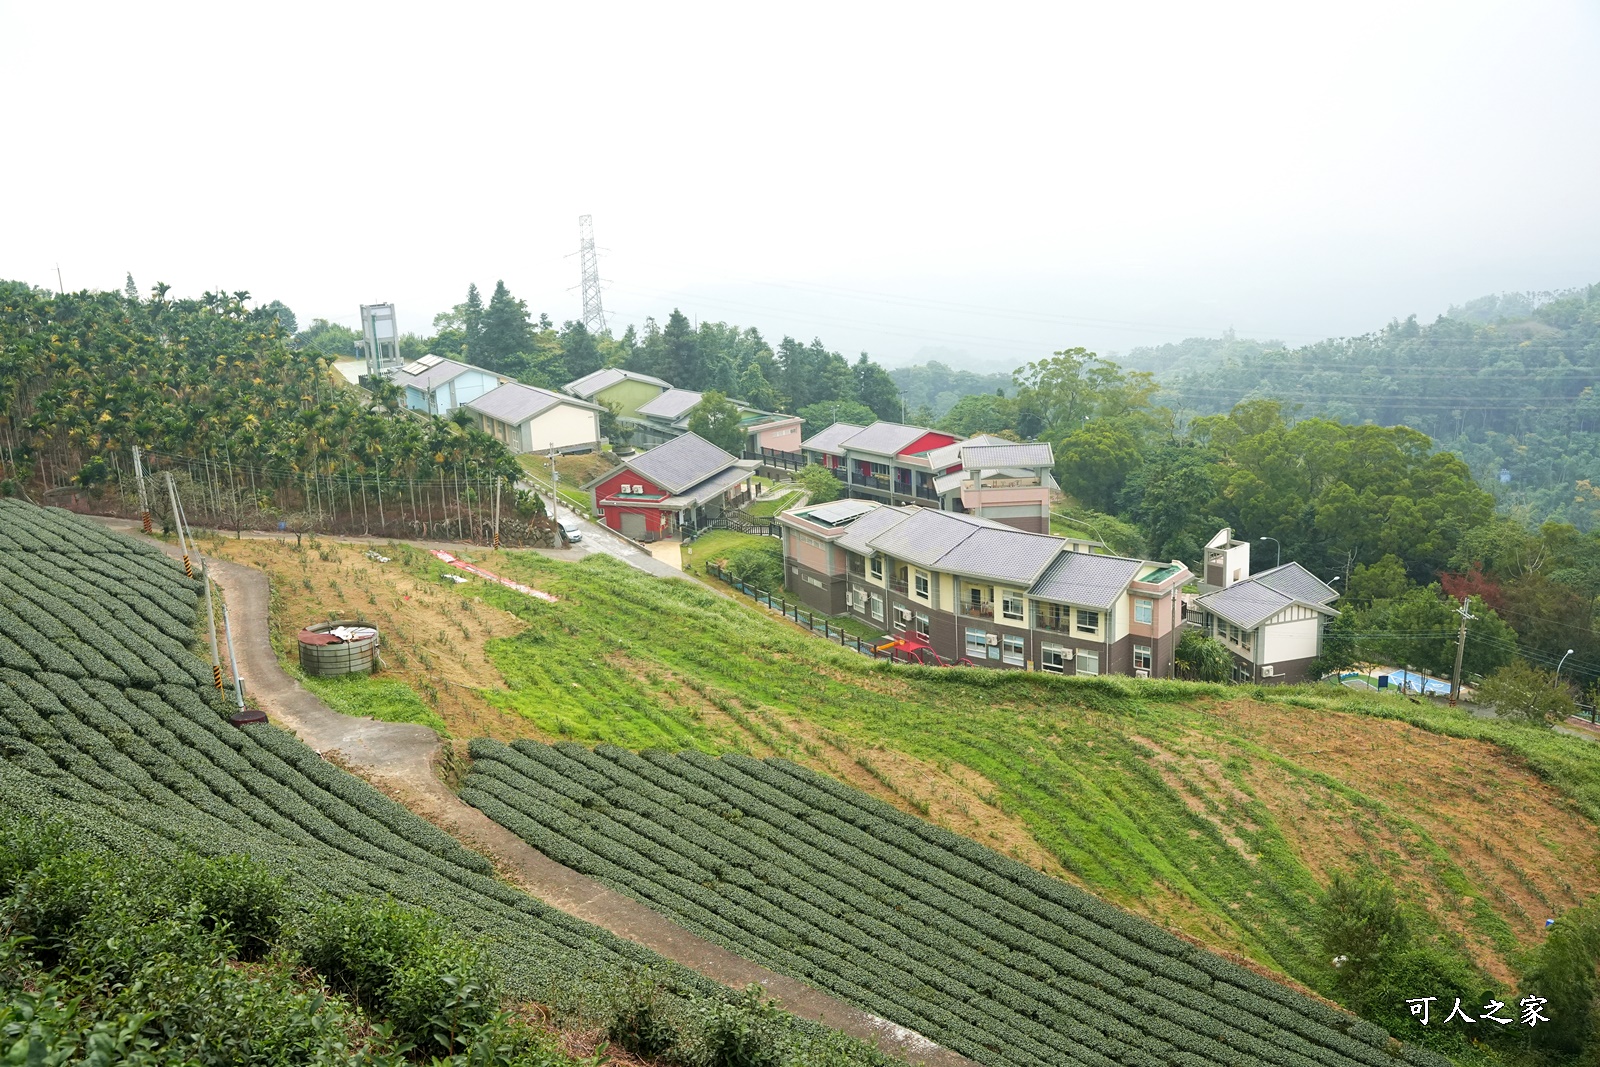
[{"x": 824, "y": 593}]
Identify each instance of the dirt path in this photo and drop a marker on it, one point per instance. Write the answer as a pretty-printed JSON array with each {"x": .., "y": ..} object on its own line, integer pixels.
[{"x": 400, "y": 757}]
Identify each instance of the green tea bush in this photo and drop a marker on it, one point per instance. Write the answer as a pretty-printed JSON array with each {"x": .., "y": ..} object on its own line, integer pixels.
[{"x": 402, "y": 964}]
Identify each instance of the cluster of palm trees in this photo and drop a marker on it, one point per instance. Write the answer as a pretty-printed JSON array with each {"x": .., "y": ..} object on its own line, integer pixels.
[{"x": 215, "y": 391}]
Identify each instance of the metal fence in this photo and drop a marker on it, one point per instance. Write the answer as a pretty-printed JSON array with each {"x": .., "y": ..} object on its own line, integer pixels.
[{"x": 820, "y": 625}]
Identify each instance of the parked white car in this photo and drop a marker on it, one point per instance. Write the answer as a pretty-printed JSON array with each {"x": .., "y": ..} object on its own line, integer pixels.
[{"x": 569, "y": 528}]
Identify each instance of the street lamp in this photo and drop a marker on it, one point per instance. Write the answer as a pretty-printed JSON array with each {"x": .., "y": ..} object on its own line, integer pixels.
[
  {"x": 1279, "y": 547},
  {"x": 1560, "y": 665}
]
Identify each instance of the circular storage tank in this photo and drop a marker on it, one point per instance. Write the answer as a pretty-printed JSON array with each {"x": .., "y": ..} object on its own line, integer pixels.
[{"x": 346, "y": 646}]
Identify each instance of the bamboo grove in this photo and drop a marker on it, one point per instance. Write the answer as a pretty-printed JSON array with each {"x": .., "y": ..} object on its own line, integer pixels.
[{"x": 258, "y": 433}]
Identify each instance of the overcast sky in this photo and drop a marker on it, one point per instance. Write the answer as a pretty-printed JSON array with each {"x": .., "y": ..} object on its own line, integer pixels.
[{"x": 998, "y": 180}]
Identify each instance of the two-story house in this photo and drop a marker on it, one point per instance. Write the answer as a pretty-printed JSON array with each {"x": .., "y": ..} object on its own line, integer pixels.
[
  {"x": 968, "y": 589},
  {"x": 1271, "y": 622},
  {"x": 986, "y": 476}
]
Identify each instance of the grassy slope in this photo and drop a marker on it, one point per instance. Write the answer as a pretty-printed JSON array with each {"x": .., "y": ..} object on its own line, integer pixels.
[{"x": 1189, "y": 804}]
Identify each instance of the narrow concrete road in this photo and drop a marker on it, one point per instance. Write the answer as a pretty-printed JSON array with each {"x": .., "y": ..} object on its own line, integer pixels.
[{"x": 399, "y": 757}]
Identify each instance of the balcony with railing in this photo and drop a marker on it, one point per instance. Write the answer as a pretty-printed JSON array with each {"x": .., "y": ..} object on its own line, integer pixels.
[
  {"x": 898, "y": 585},
  {"x": 871, "y": 481},
  {"x": 1059, "y": 624},
  {"x": 981, "y": 610}
]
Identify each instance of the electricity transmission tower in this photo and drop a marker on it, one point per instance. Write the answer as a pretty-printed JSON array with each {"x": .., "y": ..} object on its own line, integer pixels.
[{"x": 594, "y": 317}]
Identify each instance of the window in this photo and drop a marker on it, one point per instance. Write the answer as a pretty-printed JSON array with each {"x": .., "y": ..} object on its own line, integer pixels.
[
  {"x": 1088, "y": 662},
  {"x": 1012, "y": 649},
  {"x": 922, "y": 624},
  {"x": 1144, "y": 611},
  {"x": 877, "y": 566},
  {"x": 922, "y": 585},
  {"x": 1141, "y": 657},
  {"x": 975, "y": 597},
  {"x": 1088, "y": 621},
  {"x": 1246, "y": 637},
  {"x": 1011, "y": 606},
  {"x": 876, "y": 602},
  {"x": 857, "y": 599},
  {"x": 977, "y": 644},
  {"x": 1053, "y": 658},
  {"x": 901, "y": 617},
  {"x": 1055, "y": 617}
]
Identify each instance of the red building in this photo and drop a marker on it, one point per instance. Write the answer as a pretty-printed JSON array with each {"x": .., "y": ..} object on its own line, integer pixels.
[{"x": 672, "y": 489}]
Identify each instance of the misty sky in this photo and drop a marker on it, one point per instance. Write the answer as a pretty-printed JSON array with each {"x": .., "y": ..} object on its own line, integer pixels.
[{"x": 995, "y": 179}]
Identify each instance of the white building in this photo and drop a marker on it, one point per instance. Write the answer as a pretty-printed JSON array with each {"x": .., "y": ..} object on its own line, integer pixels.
[{"x": 528, "y": 419}]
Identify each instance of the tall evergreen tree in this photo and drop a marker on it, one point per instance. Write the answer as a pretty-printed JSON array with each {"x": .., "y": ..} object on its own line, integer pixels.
[
  {"x": 130, "y": 289},
  {"x": 507, "y": 333},
  {"x": 472, "y": 324},
  {"x": 579, "y": 351},
  {"x": 681, "y": 353},
  {"x": 876, "y": 389}
]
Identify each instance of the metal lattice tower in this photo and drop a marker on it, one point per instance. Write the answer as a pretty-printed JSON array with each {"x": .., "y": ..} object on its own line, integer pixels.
[{"x": 594, "y": 316}]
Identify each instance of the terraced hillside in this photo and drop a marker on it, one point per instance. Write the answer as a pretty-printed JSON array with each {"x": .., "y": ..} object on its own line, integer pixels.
[
  {"x": 1218, "y": 812},
  {"x": 109, "y": 722},
  {"x": 818, "y": 880}
]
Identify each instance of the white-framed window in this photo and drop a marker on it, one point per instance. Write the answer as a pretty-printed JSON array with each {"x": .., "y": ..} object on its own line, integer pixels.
[
  {"x": 876, "y": 603},
  {"x": 977, "y": 644},
  {"x": 1053, "y": 658},
  {"x": 922, "y": 623},
  {"x": 1088, "y": 622},
  {"x": 1011, "y": 606},
  {"x": 1144, "y": 611},
  {"x": 920, "y": 583},
  {"x": 1088, "y": 662},
  {"x": 1246, "y": 639},
  {"x": 1141, "y": 657},
  {"x": 877, "y": 567},
  {"x": 1012, "y": 649}
]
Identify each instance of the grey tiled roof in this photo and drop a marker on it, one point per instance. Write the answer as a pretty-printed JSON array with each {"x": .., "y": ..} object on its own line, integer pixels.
[
  {"x": 1081, "y": 578},
  {"x": 591, "y": 384},
  {"x": 943, "y": 483},
  {"x": 859, "y": 537},
  {"x": 671, "y": 404},
  {"x": 1010, "y": 454},
  {"x": 514, "y": 402},
  {"x": 1002, "y": 555},
  {"x": 681, "y": 463},
  {"x": 924, "y": 537},
  {"x": 884, "y": 438},
  {"x": 436, "y": 375},
  {"x": 1295, "y": 581},
  {"x": 715, "y": 485},
  {"x": 830, "y": 439},
  {"x": 1245, "y": 603}
]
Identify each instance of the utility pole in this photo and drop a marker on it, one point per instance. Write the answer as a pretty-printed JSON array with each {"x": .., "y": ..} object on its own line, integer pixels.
[
  {"x": 1461, "y": 650},
  {"x": 205, "y": 572},
  {"x": 594, "y": 316},
  {"x": 497, "y": 482},
  {"x": 555, "y": 486},
  {"x": 60, "y": 286},
  {"x": 172, "y": 494},
  {"x": 144, "y": 492}
]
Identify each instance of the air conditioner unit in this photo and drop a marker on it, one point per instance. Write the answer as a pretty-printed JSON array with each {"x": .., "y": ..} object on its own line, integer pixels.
[
  {"x": 902, "y": 613},
  {"x": 994, "y": 639},
  {"x": 1268, "y": 670},
  {"x": 1141, "y": 672}
]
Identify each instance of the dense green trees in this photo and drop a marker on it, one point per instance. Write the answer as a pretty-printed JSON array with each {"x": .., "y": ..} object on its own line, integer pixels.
[{"x": 717, "y": 420}]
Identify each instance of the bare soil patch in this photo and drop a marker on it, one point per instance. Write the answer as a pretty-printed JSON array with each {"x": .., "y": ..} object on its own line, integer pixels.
[
  {"x": 1524, "y": 847},
  {"x": 433, "y": 639}
]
